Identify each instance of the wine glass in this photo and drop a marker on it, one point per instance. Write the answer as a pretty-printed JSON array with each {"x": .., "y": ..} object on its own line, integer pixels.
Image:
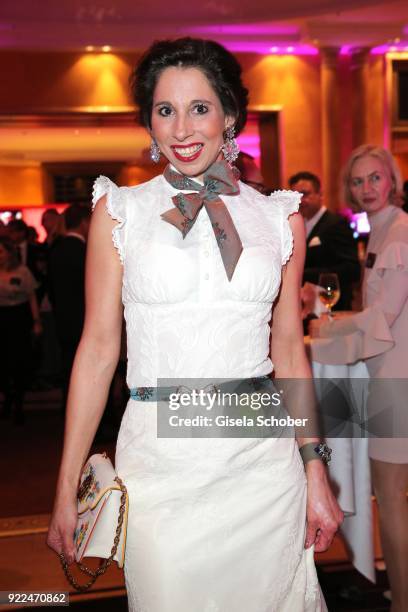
[{"x": 329, "y": 291}]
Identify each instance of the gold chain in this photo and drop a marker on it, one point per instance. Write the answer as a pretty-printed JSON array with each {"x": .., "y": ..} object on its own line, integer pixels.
[{"x": 106, "y": 562}]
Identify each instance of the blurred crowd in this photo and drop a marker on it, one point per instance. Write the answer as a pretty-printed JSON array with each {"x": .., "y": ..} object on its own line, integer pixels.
[{"x": 42, "y": 311}]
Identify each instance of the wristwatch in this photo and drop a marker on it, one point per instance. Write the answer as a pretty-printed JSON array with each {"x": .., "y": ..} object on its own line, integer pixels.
[{"x": 315, "y": 451}]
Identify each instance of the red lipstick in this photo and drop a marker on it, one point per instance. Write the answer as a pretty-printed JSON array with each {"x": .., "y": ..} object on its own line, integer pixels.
[{"x": 196, "y": 148}]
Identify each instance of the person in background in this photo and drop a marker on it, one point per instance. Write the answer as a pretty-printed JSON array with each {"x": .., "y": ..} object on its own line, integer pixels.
[
  {"x": 32, "y": 235},
  {"x": 66, "y": 282},
  {"x": 53, "y": 223},
  {"x": 379, "y": 335},
  {"x": 330, "y": 246},
  {"x": 19, "y": 319},
  {"x": 31, "y": 255},
  {"x": 250, "y": 173}
]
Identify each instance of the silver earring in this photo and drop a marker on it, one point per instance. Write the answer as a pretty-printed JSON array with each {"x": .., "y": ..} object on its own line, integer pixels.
[
  {"x": 230, "y": 148},
  {"x": 154, "y": 151}
]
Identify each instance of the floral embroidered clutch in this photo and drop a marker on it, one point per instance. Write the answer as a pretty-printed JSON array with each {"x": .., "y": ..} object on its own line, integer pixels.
[{"x": 102, "y": 508}]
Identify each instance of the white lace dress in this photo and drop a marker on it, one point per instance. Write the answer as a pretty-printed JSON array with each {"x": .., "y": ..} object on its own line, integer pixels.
[{"x": 214, "y": 525}]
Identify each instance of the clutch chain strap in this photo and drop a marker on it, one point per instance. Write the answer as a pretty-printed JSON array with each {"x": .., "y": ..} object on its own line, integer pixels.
[{"x": 106, "y": 562}]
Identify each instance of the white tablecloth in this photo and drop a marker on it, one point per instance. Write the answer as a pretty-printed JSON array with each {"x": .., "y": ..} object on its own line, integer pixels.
[{"x": 350, "y": 474}]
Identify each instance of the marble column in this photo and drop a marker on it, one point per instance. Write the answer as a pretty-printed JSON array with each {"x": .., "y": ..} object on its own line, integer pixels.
[
  {"x": 330, "y": 125},
  {"x": 359, "y": 101}
]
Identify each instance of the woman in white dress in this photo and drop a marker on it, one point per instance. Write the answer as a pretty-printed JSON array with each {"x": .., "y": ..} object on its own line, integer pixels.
[{"x": 214, "y": 525}]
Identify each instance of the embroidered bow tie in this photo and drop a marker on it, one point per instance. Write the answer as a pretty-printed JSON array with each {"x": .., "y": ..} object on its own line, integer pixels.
[{"x": 218, "y": 179}]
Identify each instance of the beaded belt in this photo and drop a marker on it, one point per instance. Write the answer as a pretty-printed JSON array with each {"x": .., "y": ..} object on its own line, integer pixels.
[{"x": 162, "y": 394}]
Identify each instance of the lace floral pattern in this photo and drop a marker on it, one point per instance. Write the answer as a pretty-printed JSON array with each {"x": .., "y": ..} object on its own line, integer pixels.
[{"x": 115, "y": 207}]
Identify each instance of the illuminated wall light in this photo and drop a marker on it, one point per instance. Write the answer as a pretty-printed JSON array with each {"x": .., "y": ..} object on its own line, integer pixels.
[
  {"x": 89, "y": 48},
  {"x": 274, "y": 49},
  {"x": 289, "y": 49},
  {"x": 106, "y": 48}
]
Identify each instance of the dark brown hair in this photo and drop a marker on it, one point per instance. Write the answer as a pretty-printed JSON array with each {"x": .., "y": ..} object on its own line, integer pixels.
[{"x": 219, "y": 66}]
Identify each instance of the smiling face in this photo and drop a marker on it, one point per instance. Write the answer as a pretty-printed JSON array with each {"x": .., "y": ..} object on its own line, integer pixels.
[
  {"x": 188, "y": 121},
  {"x": 370, "y": 184}
]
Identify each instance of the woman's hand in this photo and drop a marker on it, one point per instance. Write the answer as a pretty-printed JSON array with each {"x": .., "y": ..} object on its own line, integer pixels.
[
  {"x": 62, "y": 526},
  {"x": 308, "y": 294},
  {"x": 315, "y": 327},
  {"x": 323, "y": 513}
]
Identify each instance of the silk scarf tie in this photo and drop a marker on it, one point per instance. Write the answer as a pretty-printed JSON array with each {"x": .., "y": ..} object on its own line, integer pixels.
[{"x": 218, "y": 179}]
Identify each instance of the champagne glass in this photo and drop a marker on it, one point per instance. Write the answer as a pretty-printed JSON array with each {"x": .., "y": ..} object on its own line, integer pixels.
[{"x": 329, "y": 291}]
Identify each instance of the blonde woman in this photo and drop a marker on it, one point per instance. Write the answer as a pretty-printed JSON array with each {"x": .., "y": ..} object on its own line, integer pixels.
[{"x": 379, "y": 335}]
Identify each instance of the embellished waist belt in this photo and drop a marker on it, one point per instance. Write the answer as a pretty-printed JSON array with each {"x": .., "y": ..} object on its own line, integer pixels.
[{"x": 162, "y": 394}]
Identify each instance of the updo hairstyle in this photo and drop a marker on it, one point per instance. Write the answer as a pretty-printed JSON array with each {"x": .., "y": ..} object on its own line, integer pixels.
[{"x": 219, "y": 66}]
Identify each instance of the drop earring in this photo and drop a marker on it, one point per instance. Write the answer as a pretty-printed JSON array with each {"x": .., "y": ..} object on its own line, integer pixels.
[
  {"x": 154, "y": 151},
  {"x": 230, "y": 148}
]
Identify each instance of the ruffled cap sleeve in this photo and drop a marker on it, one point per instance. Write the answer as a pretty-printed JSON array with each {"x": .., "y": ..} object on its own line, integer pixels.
[
  {"x": 287, "y": 203},
  {"x": 116, "y": 208}
]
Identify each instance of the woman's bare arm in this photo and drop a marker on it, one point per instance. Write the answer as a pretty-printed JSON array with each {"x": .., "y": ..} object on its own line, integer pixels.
[
  {"x": 287, "y": 345},
  {"x": 93, "y": 369},
  {"x": 290, "y": 362}
]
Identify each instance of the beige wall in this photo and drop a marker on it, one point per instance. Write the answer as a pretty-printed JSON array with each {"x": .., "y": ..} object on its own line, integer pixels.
[
  {"x": 42, "y": 81},
  {"x": 293, "y": 83},
  {"x": 45, "y": 81},
  {"x": 22, "y": 185}
]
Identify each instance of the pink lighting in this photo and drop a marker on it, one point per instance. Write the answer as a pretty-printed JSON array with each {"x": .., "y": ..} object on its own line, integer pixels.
[
  {"x": 258, "y": 29},
  {"x": 263, "y": 48},
  {"x": 394, "y": 48},
  {"x": 261, "y": 38},
  {"x": 249, "y": 143}
]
